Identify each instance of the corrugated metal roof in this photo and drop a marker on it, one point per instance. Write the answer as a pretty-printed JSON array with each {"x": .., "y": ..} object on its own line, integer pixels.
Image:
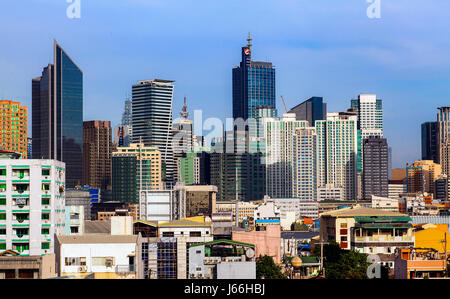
[{"x": 97, "y": 239}]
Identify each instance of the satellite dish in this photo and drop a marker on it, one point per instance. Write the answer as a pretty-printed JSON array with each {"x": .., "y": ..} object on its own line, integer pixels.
[{"x": 249, "y": 253}]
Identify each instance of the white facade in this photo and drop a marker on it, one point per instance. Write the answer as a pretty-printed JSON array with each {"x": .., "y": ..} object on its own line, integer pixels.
[
  {"x": 279, "y": 154},
  {"x": 33, "y": 205},
  {"x": 309, "y": 209},
  {"x": 305, "y": 171},
  {"x": 396, "y": 189},
  {"x": 337, "y": 152},
  {"x": 370, "y": 115},
  {"x": 329, "y": 193},
  {"x": 155, "y": 205},
  {"x": 383, "y": 203}
]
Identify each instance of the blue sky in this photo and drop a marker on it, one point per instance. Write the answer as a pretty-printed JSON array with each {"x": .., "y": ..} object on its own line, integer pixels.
[{"x": 322, "y": 48}]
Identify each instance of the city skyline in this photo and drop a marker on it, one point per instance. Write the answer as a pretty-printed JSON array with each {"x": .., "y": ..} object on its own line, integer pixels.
[{"x": 336, "y": 54}]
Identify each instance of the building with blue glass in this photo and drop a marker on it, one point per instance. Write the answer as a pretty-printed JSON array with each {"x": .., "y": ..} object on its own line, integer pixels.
[
  {"x": 253, "y": 86},
  {"x": 312, "y": 109},
  {"x": 57, "y": 112}
]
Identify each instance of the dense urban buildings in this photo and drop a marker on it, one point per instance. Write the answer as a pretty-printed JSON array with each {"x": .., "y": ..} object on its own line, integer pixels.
[
  {"x": 430, "y": 146},
  {"x": 97, "y": 148},
  {"x": 57, "y": 115}
]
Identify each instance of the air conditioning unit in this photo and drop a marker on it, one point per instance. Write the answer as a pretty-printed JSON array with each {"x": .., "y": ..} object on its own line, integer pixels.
[{"x": 82, "y": 269}]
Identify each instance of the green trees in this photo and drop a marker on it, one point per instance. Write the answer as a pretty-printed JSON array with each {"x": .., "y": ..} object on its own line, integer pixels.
[
  {"x": 343, "y": 264},
  {"x": 266, "y": 267}
]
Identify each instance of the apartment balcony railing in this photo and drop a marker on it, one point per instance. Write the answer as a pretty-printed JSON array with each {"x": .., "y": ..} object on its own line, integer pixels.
[
  {"x": 384, "y": 239},
  {"x": 125, "y": 268}
]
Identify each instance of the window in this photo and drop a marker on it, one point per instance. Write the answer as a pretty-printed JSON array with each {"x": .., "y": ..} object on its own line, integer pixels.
[
  {"x": 75, "y": 261},
  {"x": 195, "y": 234},
  {"x": 45, "y": 172},
  {"x": 45, "y": 216},
  {"x": 2, "y": 231},
  {"x": 45, "y": 231},
  {"x": 2, "y": 245},
  {"x": 168, "y": 234},
  {"x": 45, "y": 201},
  {"x": 103, "y": 261},
  {"x": 2, "y": 171},
  {"x": 3, "y": 216},
  {"x": 2, "y": 201},
  {"x": 45, "y": 246},
  {"x": 343, "y": 225}
]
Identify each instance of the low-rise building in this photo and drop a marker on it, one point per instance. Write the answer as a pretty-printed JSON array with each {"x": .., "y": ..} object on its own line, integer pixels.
[
  {"x": 413, "y": 264},
  {"x": 222, "y": 259},
  {"x": 14, "y": 266},
  {"x": 367, "y": 230},
  {"x": 329, "y": 193},
  {"x": 385, "y": 203}
]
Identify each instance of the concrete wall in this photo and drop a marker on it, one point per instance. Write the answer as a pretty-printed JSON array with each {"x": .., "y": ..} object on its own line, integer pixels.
[
  {"x": 236, "y": 270},
  {"x": 266, "y": 242}
]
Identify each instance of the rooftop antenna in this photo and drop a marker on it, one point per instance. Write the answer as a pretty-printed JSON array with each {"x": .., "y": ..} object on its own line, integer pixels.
[
  {"x": 184, "y": 114},
  {"x": 249, "y": 40}
]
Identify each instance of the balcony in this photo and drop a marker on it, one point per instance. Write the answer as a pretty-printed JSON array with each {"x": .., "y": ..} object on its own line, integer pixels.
[
  {"x": 125, "y": 268},
  {"x": 376, "y": 239}
]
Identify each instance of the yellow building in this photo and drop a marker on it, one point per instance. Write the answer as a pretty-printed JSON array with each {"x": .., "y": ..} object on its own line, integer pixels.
[
  {"x": 421, "y": 176},
  {"x": 14, "y": 127},
  {"x": 431, "y": 236}
]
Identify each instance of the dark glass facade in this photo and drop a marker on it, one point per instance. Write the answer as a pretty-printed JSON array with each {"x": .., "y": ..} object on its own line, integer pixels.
[
  {"x": 430, "y": 148},
  {"x": 58, "y": 115},
  {"x": 253, "y": 86},
  {"x": 124, "y": 185},
  {"x": 311, "y": 110}
]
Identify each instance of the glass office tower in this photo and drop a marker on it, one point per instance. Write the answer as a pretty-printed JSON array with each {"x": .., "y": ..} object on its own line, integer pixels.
[
  {"x": 253, "y": 86},
  {"x": 57, "y": 112}
]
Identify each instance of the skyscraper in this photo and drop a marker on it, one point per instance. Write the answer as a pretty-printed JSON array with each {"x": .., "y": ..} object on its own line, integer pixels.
[
  {"x": 57, "y": 112},
  {"x": 14, "y": 128},
  {"x": 152, "y": 120},
  {"x": 97, "y": 148},
  {"x": 253, "y": 85},
  {"x": 375, "y": 167},
  {"x": 370, "y": 115},
  {"x": 311, "y": 110},
  {"x": 430, "y": 150},
  {"x": 337, "y": 152}
]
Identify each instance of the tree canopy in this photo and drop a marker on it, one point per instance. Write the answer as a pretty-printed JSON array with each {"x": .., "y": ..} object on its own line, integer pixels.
[{"x": 266, "y": 267}]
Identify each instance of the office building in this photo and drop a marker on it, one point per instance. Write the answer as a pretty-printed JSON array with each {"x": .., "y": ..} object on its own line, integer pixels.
[
  {"x": 311, "y": 110},
  {"x": 127, "y": 165},
  {"x": 430, "y": 150},
  {"x": 192, "y": 201},
  {"x": 337, "y": 152},
  {"x": 97, "y": 148},
  {"x": 32, "y": 200},
  {"x": 370, "y": 115},
  {"x": 375, "y": 167},
  {"x": 253, "y": 85},
  {"x": 14, "y": 128},
  {"x": 152, "y": 120},
  {"x": 57, "y": 115},
  {"x": 329, "y": 193}
]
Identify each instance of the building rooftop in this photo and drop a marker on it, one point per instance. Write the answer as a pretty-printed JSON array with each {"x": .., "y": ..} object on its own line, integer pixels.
[
  {"x": 298, "y": 235},
  {"x": 360, "y": 211},
  {"x": 184, "y": 223},
  {"x": 97, "y": 239},
  {"x": 97, "y": 227}
]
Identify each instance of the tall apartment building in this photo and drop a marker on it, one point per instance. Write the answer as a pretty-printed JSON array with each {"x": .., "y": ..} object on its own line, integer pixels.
[
  {"x": 279, "y": 158},
  {"x": 370, "y": 115},
  {"x": 97, "y": 148},
  {"x": 57, "y": 114},
  {"x": 304, "y": 183},
  {"x": 312, "y": 109},
  {"x": 127, "y": 165},
  {"x": 375, "y": 167},
  {"x": 443, "y": 128},
  {"x": 152, "y": 120},
  {"x": 253, "y": 85},
  {"x": 14, "y": 127},
  {"x": 430, "y": 146},
  {"x": 337, "y": 152},
  {"x": 188, "y": 169},
  {"x": 32, "y": 204}
]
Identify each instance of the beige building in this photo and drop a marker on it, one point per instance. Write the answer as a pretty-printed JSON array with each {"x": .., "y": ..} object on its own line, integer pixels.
[
  {"x": 367, "y": 230},
  {"x": 13, "y": 266},
  {"x": 145, "y": 155},
  {"x": 421, "y": 176}
]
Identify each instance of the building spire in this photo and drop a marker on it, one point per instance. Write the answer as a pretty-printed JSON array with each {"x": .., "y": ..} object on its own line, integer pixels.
[
  {"x": 184, "y": 114},
  {"x": 249, "y": 41}
]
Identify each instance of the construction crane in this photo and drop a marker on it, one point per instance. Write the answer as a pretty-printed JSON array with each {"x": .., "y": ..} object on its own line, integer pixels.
[{"x": 284, "y": 103}]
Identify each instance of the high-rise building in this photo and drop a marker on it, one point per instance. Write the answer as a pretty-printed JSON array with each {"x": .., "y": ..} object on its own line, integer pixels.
[
  {"x": 279, "y": 158},
  {"x": 430, "y": 150},
  {"x": 253, "y": 85},
  {"x": 152, "y": 120},
  {"x": 32, "y": 203},
  {"x": 188, "y": 169},
  {"x": 57, "y": 113},
  {"x": 421, "y": 176},
  {"x": 127, "y": 165},
  {"x": 443, "y": 120},
  {"x": 14, "y": 127},
  {"x": 311, "y": 110},
  {"x": 370, "y": 115},
  {"x": 337, "y": 152},
  {"x": 305, "y": 170},
  {"x": 375, "y": 167},
  {"x": 29, "y": 147},
  {"x": 97, "y": 148}
]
